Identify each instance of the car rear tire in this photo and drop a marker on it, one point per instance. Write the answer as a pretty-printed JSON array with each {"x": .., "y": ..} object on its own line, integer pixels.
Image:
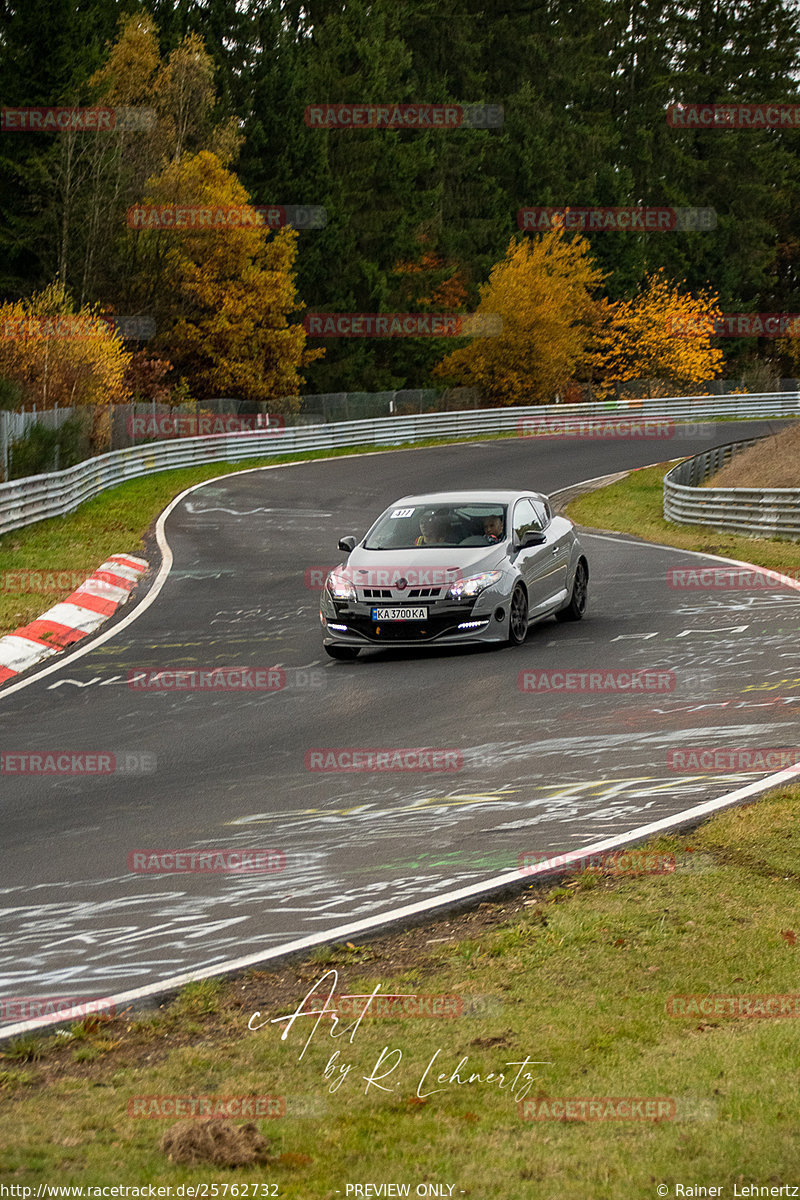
[
  {"x": 343, "y": 653},
  {"x": 518, "y": 616},
  {"x": 580, "y": 590}
]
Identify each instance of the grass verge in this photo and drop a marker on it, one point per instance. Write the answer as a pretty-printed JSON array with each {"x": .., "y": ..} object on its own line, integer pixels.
[
  {"x": 574, "y": 976},
  {"x": 635, "y": 505}
]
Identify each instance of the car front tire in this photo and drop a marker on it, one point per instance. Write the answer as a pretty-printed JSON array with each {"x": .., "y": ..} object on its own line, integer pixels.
[{"x": 518, "y": 616}]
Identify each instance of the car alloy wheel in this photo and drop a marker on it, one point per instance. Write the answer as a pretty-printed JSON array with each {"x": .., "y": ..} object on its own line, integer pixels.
[
  {"x": 580, "y": 591},
  {"x": 518, "y": 617}
]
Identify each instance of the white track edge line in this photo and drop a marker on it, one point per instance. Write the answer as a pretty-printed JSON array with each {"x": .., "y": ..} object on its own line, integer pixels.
[{"x": 234, "y": 965}]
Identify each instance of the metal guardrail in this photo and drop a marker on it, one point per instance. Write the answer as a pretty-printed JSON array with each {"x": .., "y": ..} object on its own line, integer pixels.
[
  {"x": 25, "y": 501},
  {"x": 766, "y": 512}
]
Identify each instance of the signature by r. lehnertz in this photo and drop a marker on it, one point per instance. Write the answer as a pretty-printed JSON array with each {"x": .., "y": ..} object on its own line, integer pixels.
[{"x": 337, "y": 1071}]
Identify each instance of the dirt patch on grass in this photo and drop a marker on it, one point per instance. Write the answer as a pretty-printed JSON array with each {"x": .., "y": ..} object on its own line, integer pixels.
[
  {"x": 216, "y": 1142},
  {"x": 772, "y": 462}
]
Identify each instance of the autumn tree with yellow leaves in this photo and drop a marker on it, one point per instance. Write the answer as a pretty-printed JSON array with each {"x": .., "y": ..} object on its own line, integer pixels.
[
  {"x": 543, "y": 291},
  {"x": 222, "y": 290},
  {"x": 58, "y": 354},
  {"x": 556, "y": 332},
  {"x": 662, "y": 337}
]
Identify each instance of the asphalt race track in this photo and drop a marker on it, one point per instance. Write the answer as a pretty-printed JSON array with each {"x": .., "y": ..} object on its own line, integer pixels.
[{"x": 539, "y": 773}]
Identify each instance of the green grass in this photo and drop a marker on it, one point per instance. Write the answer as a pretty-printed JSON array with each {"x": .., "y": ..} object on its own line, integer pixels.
[
  {"x": 634, "y": 505},
  {"x": 199, "y": 998},
  {"x": 579, "y": 976}
]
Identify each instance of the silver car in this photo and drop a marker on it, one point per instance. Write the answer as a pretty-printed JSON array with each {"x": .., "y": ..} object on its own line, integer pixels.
[{"x": 453, "y": 568}]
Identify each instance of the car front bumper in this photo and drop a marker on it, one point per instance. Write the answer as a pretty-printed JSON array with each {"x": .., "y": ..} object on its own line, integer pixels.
[{"x": 349, "y": 623}]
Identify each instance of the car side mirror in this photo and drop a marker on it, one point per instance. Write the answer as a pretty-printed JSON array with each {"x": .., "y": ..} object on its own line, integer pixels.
[
  {"x": 347, "y": 543},
  {"x": 533, "y": 537}
]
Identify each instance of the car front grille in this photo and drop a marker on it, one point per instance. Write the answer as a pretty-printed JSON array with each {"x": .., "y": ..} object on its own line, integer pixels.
[{"x": 419, "y": 593}]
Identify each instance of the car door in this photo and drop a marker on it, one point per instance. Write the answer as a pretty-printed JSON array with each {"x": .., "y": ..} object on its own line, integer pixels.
[
  {"x": 535, "y": 563},
  {"x": 559, "y": 540}
]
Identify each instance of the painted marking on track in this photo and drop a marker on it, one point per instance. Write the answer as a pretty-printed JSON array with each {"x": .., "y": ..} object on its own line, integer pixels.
[
  {"x": 422, "y": 905},
  {"x": 74, "y": 682},
  {"x": 643, "y": 786},
  {"x": 193, "y": 507},
  {"x": 794, "y": 681},
  {"x": 415, "y": 805},
  {"x": 628, "y": 637},
  {"x": 717, "y": 629}
]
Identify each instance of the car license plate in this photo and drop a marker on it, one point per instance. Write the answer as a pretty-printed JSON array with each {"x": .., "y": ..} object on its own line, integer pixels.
[{"x": 399, "y": 614}]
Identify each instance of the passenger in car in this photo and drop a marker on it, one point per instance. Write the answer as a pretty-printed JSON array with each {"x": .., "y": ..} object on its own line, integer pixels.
[{"x": 493, "y": 527}]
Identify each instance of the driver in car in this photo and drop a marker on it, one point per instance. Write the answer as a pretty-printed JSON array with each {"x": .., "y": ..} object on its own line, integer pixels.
[{"x": 433, "y": 530}]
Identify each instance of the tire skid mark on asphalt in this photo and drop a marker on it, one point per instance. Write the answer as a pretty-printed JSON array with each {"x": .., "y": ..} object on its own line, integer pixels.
[
  {"x": 100, "y": 943},
  {"x": 551, "y": 798}
]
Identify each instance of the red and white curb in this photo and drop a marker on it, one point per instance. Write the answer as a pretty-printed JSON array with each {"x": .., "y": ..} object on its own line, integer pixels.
[{"x": 84, "y": 611}]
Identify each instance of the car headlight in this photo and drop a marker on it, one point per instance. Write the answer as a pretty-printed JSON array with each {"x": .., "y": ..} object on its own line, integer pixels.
[
  {"x": 341, "y": 586},
  {"x": 465, "y": 589}
]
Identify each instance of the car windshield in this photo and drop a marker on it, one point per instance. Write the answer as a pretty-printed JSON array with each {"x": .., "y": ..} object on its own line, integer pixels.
[{"x": 421, "y": 525}]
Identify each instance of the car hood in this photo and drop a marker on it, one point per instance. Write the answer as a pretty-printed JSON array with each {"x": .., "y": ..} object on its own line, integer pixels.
[{"x": 461, "y": 560}]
